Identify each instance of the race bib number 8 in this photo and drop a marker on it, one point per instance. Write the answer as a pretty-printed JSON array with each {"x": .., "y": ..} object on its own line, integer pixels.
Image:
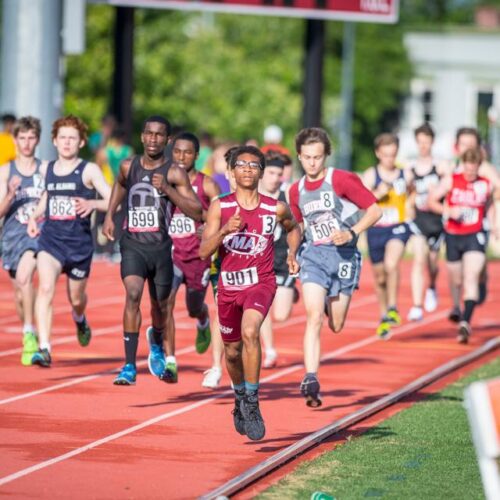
[
  {"x": 24, "y": 212},
  {"x": 141, "y": 220},
  {"x": 345, "y": 270},
  {"x": 62, "y": 208},
  {"x": 240, "y": 279},
  {"x": 181, "y": 226}
]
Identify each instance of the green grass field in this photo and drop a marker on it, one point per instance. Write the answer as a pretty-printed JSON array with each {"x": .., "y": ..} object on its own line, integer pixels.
[{"x": 423, "y": 452}]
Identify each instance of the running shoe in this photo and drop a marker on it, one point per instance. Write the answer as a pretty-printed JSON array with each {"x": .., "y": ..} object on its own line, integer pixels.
[
  {"x": 238, "y": 420},
  {"x": 464, "y": 332},
  {"x": 309, "y": 388},
  {"x": 415, "y": 314},
  {"x": 30, "y": 347},
  {"x": 169, "y": 375},
  {"x": 384, "y": 328},
  {"x": 393, "y": 317},
  {"x": 203, "y": 337},
  {"x": 455, "y": 315},
  {"x": 83, "y": 332},
  {"x": 430, "y": 300},
  {"x": 42, "y": 358},
  {"x": 270, "y": 359},
  {"x": 212, "y": 377},
  {"x": 127, "y": 375},
  {"x": 254, "y": 423},
  {"x": 156, "y": 357},
  {"x": 483, "y": 292}
]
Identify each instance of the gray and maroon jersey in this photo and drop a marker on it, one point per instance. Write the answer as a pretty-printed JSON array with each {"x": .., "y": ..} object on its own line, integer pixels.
[
  {"x": 148, "y": 211},
  {"x": 331, "y": 203}
]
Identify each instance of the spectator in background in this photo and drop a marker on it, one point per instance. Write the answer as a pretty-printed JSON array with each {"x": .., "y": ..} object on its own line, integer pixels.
[
  {"x": 217, "y": 165},
  {"x": 7, "y": 144},
  {"x": 100, "y": 138},
  {"x": 206, "y": 149},
  {"x": 273, "y": 135}
]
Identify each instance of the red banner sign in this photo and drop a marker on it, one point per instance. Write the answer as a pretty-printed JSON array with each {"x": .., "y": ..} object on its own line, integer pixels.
[{"x": 374, "y": 11}]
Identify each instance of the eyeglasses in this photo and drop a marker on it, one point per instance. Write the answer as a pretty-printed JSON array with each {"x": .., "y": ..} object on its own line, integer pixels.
[{"x": 252, "y": 164}]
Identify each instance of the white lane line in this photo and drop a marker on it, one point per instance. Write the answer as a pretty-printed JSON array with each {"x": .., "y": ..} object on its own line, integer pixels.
[
  {"x": 80, "y": 380},
  {"x": 78, "y": 451}
]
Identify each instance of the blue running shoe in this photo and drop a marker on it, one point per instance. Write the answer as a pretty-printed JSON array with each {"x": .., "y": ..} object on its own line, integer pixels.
[
  {"x": 156, "y": 357},
  {"x": 42, "y": 358},
  {"x": 126, "y": 376}
]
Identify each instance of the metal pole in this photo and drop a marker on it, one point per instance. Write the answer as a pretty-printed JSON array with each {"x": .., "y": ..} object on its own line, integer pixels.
[
  {"x": 313, "y": 71},
  {"x": 344, "y": 157},
  {"x": 31, "y": 69},
  {"x": 123, "y": 77}
]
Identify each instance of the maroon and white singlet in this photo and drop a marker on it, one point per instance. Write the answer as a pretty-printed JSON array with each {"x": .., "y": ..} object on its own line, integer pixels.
[{"x": 247, "y": 279}]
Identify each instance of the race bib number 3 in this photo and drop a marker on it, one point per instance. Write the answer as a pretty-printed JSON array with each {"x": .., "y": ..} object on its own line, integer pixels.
[
  {"x": 141, "y": 220},
  {"x": 181, "y": 226},
  {"x": 62, "y": 208},
  {"x": 240, "y": 279}
]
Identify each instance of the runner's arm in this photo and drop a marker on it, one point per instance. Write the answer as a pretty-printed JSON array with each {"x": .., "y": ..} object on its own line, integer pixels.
[
  {"x": 118, "y": 193},
  {"x": 436, "y": 195},
  {"x": 94, "y": 178},
  {"x": 293, "y": 237},
  {"x": 180, "y": 192},
  {"x": 32, "y": 226},
  {"x": 7, "y": 194},
  {"x": 212, "y": 190}
]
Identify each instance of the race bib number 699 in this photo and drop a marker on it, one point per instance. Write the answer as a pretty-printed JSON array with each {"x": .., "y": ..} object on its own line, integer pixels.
[{"x": 143, "y": 220}]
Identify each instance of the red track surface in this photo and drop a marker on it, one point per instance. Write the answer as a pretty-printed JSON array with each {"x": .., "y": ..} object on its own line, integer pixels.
[{"x": 67, "y": 431}]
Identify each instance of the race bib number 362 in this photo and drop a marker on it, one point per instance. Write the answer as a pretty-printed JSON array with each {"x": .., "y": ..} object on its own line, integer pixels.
[
  {"x": 141, "y": 220},
  {"x": 62, "y": 208},
  {"x": 240, "y": 279}
]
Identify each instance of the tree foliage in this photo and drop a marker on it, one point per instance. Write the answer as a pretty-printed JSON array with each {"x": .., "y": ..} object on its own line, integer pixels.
[{"x": 232, "y": 75}]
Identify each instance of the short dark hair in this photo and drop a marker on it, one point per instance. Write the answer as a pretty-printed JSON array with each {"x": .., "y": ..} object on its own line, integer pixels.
[
  {"x": 425, "y": 129},
  {"x": 157, "y": 119},
  {"x": 187, "y": 136},
  {"x": 8, "y": 118},
  {"x": 473, "y": 156},
  {"x": 237, "y": 151},
  {"x": 313, "y": 135},
  {"x": 385, "y": 139},
  {"x": 468, "y": 131},
  {"x": 26, "y": 123},
  {"x": 276, "y": 159}
]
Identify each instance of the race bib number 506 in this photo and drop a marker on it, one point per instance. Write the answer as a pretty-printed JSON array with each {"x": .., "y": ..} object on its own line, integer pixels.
[{"x": 240, "y": 279}]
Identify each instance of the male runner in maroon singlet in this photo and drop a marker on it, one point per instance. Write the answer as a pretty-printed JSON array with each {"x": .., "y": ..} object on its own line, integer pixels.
[
  {"x": 188, "y": 267},
  {"x": 241, "y": 226}
]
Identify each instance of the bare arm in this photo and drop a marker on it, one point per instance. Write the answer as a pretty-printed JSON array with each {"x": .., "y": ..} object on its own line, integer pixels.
[
  {"x": 93, "y": 178},
  {"x": 293, "y": 237},
  {"x": 212, "y": 190},
  {"x": 368, "y": 179},
  {"x": 436, "y": 195},
  {"x": 118, "y": 193},
  {"x": 213, "y": 235},
  {"x": 7, "y": 189},
  {"x": 180, "y": 192}
]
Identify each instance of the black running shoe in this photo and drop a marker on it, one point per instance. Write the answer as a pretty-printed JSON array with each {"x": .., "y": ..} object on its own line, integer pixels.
[
  {"x": 238, "y": 420},
  {"x": 42, "y": 358},
  {"x": 310, "y": 390},
  {"x": 464, "y": 332},
  {"x": 455, "y": 315},
  {"x": 254, "y": 423},
  {"x": 83, "y": 333},
  {"x": 483, "y": 292}
]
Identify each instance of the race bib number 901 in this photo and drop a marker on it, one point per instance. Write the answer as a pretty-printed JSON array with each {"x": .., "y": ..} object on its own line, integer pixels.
[
  {"x": 62, "y": 208},
  {"x": 181, "y": 226},
  {"x": 240, "y": 279},
  {"x": 141, "y": 220}
]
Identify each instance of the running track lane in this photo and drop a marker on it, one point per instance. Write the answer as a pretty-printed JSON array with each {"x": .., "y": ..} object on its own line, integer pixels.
[{"x": 158, "y": 441}]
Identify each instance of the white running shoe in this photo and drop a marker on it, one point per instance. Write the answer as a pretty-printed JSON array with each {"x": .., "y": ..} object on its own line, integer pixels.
[
  {"x": 270, "y": 359},
  {"x": 415, "y": 314},
  {"x": 212, "y": 377},
  {"x": 431, "y": 300}
]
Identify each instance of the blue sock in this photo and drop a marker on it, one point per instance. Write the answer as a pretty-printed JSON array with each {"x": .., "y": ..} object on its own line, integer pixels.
[
  {"x": 239, "y": 387},
  {"x": 251, "y": 387}
]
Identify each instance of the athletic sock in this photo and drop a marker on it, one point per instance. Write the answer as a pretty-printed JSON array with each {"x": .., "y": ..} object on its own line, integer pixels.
[
  {"x": 78, "y": 318},
  {"x": 170, "y": 359},
  {"x": 249, "y": 387},
  {"x": 312, "y": 374},
  {"x": 469, "y": 306},
  {"x": 158, "y": 335},
  {"x": 130, "y": 341},
  {"x": 45, "y": 345},
  {"x": 27, "y": 328}
]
